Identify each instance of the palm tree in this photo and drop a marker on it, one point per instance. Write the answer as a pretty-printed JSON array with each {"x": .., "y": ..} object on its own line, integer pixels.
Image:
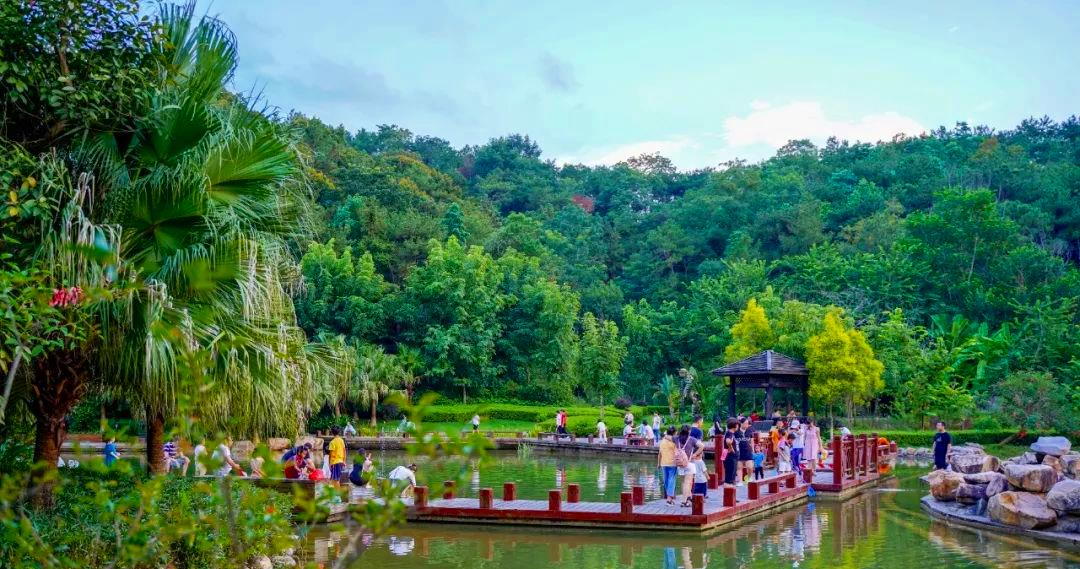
[
  {"x": 376, "y": 373},
  {"x": 410, "y": 362},
  {"x": 207, "y": 196}
]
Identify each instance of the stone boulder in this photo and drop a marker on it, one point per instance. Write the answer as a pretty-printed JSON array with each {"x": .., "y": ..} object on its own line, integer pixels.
[
  {"x": 943, "y": 484},
  {"x": 1068, "y": 524},
  {"x": 970, "y": 493},
  {"x": 1053, "y": 462},
  {"x": 968, "y": 459},
  {"x": 1021, "y": 509},
  {"x": 1031, "y": 477},
  {"x": 1027, "y": 458},
  {"x": 261, "y": 562},
  {"x": 1055, "y": 446},
  {"x": 995, "y": 482},
  {"x": 1070, "y": 466},
  {"x": 1065, "y": 497},
  {"x": 277, "y": 444}
]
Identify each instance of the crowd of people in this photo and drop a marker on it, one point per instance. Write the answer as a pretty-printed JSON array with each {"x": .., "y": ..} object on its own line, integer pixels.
[
  {"x": 796, "y": 447},
  {"x": 297, "y": 462}
]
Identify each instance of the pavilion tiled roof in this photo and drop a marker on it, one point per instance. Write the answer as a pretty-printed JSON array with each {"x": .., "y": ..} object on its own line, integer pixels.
[{"x": 767, "y": 362}]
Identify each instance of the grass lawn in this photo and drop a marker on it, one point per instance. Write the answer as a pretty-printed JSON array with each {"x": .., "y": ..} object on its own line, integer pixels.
[{"x": 1006, "y": 451}]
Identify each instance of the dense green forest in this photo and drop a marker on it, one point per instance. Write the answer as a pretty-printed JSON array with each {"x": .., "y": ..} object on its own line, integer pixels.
[{"x": 493, "y": 272}]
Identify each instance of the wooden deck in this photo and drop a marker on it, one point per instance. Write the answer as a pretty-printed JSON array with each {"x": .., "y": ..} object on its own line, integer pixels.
[
  {"x": 720, "y": 507},
  {"x": 857, "y": 464}
]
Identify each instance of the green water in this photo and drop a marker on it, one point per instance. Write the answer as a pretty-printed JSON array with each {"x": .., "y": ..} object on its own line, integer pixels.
[{"x": 881, "y": 528}]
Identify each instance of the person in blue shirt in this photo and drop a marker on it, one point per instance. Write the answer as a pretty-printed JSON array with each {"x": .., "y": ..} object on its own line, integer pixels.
[
  {"x": 111, "y": 454},
  {"x": 759, "y": 461}
]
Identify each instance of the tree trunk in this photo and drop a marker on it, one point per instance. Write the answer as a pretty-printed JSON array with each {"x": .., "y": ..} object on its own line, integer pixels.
[
  {"x": 59, "y": 382},
  {"x": 373, "y": 423},
  {"x": 464, "y": 397},
  {"x": 103, "y": 424},
  {"x": 155, "y": 442}
]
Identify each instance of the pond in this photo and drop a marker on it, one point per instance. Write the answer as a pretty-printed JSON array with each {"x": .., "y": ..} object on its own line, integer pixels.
[{"x": 882, "y": 528}]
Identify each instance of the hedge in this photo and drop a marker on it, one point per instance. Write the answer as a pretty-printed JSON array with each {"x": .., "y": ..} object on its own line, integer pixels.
[
  {"x": 459, "y": 413},
  {"x": 982, "y": 437}
]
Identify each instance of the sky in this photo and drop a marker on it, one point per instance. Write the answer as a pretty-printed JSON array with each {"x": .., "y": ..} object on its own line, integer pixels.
[{"x": 702, "y": 83}]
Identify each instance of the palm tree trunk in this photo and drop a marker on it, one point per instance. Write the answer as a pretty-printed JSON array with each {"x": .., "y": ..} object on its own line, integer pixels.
[
  {"x": 155, "y": 441},
  {"x": 60, "y": 380},
  {"x": 373, "y": 424}
]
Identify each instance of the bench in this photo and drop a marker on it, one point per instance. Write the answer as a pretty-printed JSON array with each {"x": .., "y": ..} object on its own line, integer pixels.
[{"x": 753, "y": 488}]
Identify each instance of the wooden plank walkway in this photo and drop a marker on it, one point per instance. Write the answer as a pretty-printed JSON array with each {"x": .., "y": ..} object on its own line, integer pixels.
[{"x": 856, "y": 465}]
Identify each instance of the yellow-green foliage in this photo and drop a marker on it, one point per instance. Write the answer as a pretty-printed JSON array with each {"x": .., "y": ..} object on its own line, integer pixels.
[
  {"x": 841, "y": 363},
  {"x": 751, "y": 334}
]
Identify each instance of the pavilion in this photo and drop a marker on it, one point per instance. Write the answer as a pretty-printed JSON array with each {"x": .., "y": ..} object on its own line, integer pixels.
[{"x": 767, "y": 370}]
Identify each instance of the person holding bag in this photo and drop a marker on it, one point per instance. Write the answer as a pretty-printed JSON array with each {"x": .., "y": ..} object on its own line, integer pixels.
[{"x": 688, "y": 448}]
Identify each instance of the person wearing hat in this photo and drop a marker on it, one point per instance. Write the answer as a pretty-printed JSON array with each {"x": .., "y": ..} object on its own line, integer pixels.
[{"x": 404, "y": 474}]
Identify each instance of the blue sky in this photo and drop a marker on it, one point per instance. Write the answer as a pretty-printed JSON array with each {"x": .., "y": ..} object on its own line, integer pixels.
[{"x": 700, "y": 82}]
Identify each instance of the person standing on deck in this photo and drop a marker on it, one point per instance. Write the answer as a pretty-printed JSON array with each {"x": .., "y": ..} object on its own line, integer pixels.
[
  {"x": 798, "y": 446},
  {"x": 601, "y": 430},
  {"x": 942, "y": 447},
  {"x": 476, "y": 423},
  {"x": 697, "y": 432},
  {"x": 665, "y": 460},
  {"x": 730, "y": 452},
  {"x": 336, "y": 452},
  {"x": 657, "y": 422},
  {"x": 745, "y": 437},
  {"x": 783, "y": 456},
  {"x": 111, "y": 454},
  {"x": 687, "y": 451},
  {"x": 812, "y": 445},
  {"x": 560, "y": 422}
]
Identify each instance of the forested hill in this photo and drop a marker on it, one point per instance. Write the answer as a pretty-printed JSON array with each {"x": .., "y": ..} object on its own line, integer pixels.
[{"x": 965, "y": 237}]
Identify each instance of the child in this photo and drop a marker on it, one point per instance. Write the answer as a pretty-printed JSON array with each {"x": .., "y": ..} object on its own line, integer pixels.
[
  {"x": 759, "y": 461},
  {"x": 701, "y": 480},
  {"x": 783, "y": 460}
]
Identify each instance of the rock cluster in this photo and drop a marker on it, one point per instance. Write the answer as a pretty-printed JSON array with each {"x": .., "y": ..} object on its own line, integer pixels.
[{"x": 1038, "y": 490}]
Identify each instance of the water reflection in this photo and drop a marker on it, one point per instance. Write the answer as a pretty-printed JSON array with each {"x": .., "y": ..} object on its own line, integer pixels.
[{"x": 877, "y": 529}]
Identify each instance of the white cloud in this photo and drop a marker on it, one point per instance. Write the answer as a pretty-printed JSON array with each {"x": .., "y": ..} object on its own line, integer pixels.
[
  {"x": 753, "y": 137},
  {"x": 673, "y": 148},
  {"x": 775, "y": 126}
]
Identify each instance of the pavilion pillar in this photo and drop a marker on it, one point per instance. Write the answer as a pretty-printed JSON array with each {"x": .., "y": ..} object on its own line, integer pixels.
[
  {"x": 806, "y": 397},
  {"x": 731, "y": 399},
  {"x": 768, "y": 399}
]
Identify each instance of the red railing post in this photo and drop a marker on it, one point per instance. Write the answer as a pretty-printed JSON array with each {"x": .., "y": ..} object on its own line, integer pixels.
[
  {"x": 573, "y": 493},
  {"x": 850, "y": 458},
  {"x": 638, "y": 492},
  {"x": 448, "y": 490},
  {"x": 420, "y": 496},
  {"x": 697, "y": 505},
  {"x": 837, "y": 460},
  {"x": 626, "y": 503},
  {"x": 808, "y": 476},
  {"x": 774, "y": 486},
  {"x": 874, "y": 455},
  {"x": 753, "y": 490},
  {"x": 509, "y": 491},
  {"x": 554, "y": 500},
  {"x": 714, "y": 481},
  {"x": 790, "y": 481},
  {"x": 486, "y": 498},
  {"x": 729, "y": 496}
]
